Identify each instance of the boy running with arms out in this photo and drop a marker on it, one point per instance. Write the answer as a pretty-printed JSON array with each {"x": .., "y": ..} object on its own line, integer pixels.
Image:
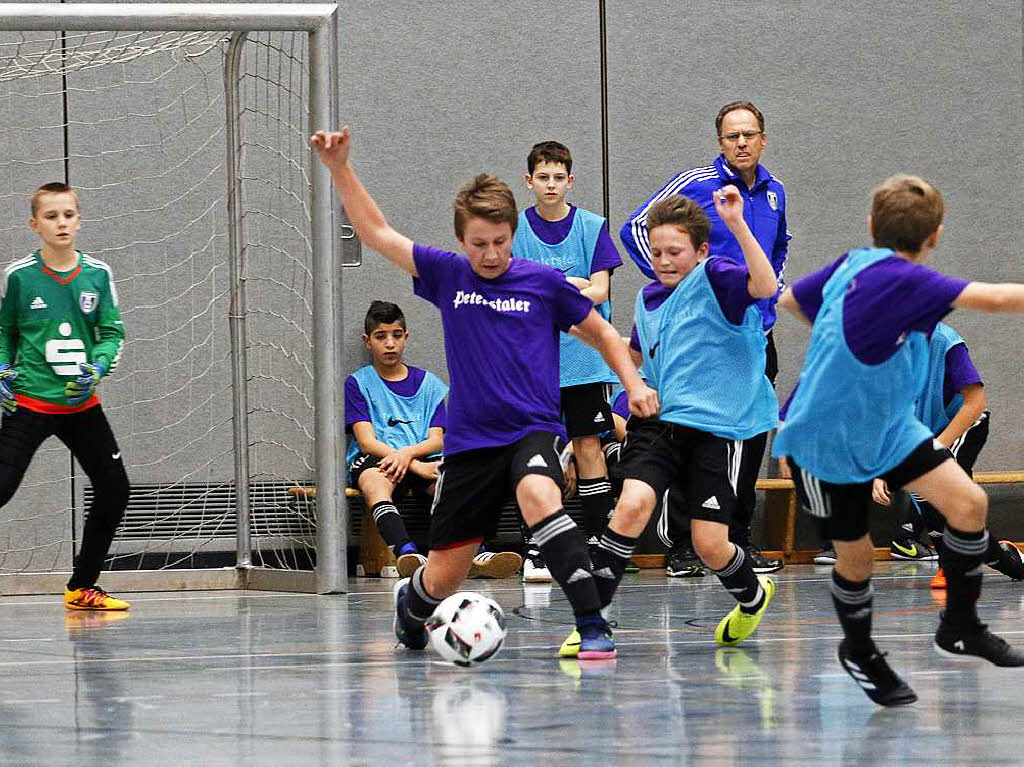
[
  {"x": 500, "y": 317},
  {"x": 60, "y": 333},
  {"x": 577, "y": 243},
  {"x": 696, "y": 327},
  {"x": 852, "y": 419}
]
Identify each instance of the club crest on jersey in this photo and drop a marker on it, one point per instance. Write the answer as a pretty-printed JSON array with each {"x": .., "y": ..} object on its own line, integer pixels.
[
  {"x": 88, "y": 300},
  {"x": 773, "y": 200}
]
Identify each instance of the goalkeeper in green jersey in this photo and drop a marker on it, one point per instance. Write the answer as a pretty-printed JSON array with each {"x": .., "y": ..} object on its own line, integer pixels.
[{"x": 60, "y": 333}]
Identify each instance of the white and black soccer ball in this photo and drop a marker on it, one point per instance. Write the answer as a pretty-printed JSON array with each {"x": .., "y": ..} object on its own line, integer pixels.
[{"x": 467, "y": 628}]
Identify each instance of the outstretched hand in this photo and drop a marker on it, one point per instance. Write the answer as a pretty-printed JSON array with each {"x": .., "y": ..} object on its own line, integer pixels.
[
  {"x": 729, "y": 205},
  {"x": 332, "y": 146}
]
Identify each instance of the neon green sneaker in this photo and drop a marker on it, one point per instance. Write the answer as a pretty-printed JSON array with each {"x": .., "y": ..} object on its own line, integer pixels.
[
  {"x": 738, "y": 625},
  {"x": 571, "y": 646}
]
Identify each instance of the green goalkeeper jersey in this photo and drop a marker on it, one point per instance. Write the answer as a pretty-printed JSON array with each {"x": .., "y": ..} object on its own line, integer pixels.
[{"x": 51, "y": 322}]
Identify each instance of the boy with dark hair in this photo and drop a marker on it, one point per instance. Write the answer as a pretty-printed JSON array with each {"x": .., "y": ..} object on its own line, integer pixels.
[
  {"x": 577, "y": 243},
  {"x": 60, "y": 334},
  {"x": 500, "y": 317},
  {"x": 696, "y": 327},
  {"x": 396, "y": 415},
  {"x": 852, "y": 419},
  {"x": 951, "y": 404}
]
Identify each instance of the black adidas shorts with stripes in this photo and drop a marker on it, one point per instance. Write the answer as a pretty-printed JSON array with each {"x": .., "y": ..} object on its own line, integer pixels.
[
  {"x": 472, "y": 486},
  {"x": 843, "y": 510},
  {"x": 411, "y": 482},
  {"x": 585, "y": 410},
  {"x": 701, "y": 468}
]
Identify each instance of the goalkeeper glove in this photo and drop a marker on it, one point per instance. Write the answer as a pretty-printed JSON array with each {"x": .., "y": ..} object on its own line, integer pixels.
[
  {"x": 82, "y": 388},
  {"x": 7, "y": 376}
]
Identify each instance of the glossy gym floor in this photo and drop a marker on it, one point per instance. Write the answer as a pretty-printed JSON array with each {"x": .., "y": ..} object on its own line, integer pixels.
[{"x": 254, "y": 678}]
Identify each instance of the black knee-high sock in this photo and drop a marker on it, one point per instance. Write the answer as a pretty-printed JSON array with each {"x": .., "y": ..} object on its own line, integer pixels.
[
  {"x": 419, "y": 604},
  {"x": 853, "y": 601},
  {"x": 740, "y": 580},
  {"x": 390, "y": 525},
  {"x": 596, "y": 500},
  {"x": 565, "y": 553},
  {"x": 963, "y": 559},
  {"x": 610, "y": 560}
]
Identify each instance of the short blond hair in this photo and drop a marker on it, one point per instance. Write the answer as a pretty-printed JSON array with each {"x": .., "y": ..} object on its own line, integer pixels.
[
  {"x": 485, "y": 197},
  {"x": 684, "y": 214},
  {"x": 54, "y": 187},
  {"x": 905, "y": 211}
]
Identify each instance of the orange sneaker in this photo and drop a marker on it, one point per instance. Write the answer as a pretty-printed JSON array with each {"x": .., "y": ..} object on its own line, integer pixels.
[
  {"x": 939, "y": 580},
  {"x": 93, "y": 598}
]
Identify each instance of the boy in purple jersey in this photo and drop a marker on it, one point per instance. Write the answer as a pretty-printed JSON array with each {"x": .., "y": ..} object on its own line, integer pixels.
[
  {"x": 501, "y": 318},
  {"x": 576, "y": 242},
  {"x": 852, "y": 419}
]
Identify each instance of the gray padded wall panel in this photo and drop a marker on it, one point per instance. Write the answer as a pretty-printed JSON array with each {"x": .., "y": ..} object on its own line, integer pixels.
[
  {"x": 438, "y": 93},
  {"x": 851, "y": 94}
]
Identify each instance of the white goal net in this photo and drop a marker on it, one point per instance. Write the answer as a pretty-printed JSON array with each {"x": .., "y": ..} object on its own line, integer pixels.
[{"x": 139, "y": 123}]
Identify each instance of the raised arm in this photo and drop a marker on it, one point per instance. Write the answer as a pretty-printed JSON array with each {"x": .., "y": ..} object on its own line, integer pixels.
[
  {"x": 368, "y": 221},
  {"x": 762, "y": 282},
  {"x": 991, "y": 297}
]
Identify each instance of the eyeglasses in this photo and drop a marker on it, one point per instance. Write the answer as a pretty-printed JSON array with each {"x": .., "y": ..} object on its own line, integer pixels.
[{"x": 747, "y": 135}]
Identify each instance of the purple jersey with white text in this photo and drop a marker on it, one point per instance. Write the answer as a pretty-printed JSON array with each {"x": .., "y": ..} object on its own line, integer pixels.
[{"x": 501, "y": 343}]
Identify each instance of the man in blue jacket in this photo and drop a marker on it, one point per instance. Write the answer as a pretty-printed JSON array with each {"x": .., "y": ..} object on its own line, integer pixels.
[{"x": 741, "y": 138}]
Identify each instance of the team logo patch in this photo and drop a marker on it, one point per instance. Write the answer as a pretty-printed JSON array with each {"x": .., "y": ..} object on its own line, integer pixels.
[
  {"x": 773, "y": 200},
  {"x": 88, "y": 300}
]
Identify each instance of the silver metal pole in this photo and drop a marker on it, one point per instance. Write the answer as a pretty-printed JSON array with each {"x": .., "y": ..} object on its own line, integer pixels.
[
  {"x": 236, "y": 313},
  {"x": 230, "y": 17},
  {"x": 331, "y": 516}
]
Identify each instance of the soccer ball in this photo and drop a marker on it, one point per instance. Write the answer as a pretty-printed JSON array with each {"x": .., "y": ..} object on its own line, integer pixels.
[{"x": 467, "y": 628}]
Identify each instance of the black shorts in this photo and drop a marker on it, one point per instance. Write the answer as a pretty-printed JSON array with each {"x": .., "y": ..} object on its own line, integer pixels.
[
  {"x": 843, "y": 509},
  {"x": 585, "y": 410},
  {"x": 702, "y": 467},
  {"x": 411, "y": 482},
  {"x": 472, "y": 486}
]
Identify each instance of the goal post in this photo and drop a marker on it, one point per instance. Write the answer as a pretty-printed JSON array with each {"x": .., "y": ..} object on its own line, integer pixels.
[{"x": 293, "y": 220}]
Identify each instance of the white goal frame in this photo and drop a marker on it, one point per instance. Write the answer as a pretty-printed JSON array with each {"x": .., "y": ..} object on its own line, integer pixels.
[{"x": 320, "y": 22}]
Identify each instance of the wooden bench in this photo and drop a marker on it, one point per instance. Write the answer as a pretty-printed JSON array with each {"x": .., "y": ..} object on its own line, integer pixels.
[{"x": 778, "y": 538}]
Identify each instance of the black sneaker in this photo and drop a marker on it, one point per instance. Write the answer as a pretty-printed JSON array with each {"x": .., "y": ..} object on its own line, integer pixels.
[
  {"x": 978, "y": 642},
  {"x": 760, "y": 563},
  {"x": 412, "y": 635},
  {"x": 1011, "y": 564},
  {"x": 683, "y": 562},
  {"x": 876, "y": 678},
  {"x": 908, "y": 548}
]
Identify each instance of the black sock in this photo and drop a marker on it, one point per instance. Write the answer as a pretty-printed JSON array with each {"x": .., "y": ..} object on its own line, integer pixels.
[
  {"x": 739, "y": 579},
  {"x": 610, "y": 560},
  {"x": 390, "y": 524},
  {"x": 596, "y": 500},
  {"x": 963, "y": 561},
  {"x": 565, "y": 554},
  {"x": 419, "y": 604},
  {"x": 853, "y": 602}
]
